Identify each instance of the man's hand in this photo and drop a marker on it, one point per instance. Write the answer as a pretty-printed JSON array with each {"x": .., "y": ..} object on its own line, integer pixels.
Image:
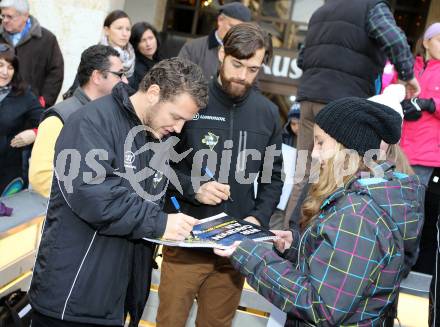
[
  {"x": 284, "y": 240},
  {"x": 23, "y": 138},
  {"x": 213, "y": 193},
  {"x": 412, "y": 87},
  {"x": 179, "y": 226},
  {"x": 226, "y": 253},
  {"x": 253, "y": 220}
]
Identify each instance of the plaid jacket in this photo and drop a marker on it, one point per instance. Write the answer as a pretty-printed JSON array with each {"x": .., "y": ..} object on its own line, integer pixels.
[{"x": 351, "y": 259}]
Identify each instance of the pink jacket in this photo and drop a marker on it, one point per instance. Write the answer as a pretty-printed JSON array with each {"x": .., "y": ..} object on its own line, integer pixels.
[{"x": 421, "y": 139}]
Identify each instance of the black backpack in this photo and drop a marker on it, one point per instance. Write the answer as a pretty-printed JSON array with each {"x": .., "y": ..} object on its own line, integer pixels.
[{"x": 15, "y": 310}]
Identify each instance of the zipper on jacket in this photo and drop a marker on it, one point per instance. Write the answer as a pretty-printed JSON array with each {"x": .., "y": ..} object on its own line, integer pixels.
[
  {"x": 231, "y": 134},
  {"x": 76, "y": 276}
]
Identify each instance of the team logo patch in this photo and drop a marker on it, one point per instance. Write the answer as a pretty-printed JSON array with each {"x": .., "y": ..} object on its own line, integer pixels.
[{"x": 210, "y": 140}]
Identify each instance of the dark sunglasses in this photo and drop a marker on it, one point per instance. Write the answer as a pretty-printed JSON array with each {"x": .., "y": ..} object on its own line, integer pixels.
[{"x": 119, "y": 74}]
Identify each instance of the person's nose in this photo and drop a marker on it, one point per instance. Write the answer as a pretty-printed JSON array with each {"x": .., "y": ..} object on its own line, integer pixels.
[{"x": 178, "y": 126}]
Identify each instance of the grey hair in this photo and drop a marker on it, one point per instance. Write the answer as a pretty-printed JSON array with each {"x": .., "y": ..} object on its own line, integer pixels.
[{"x": 22, "y": 6}]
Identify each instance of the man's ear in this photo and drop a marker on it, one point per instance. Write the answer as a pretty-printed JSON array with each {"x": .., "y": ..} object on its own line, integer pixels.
[
  {"x": 153, "y": 94},
  {"x": 221, "y": 54},
  {"x": 96, "y": 77}
]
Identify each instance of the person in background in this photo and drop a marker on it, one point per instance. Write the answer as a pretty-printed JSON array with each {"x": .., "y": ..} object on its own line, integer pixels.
[
  {"x": 145, "y": 41},
  {"x": 421, "y": 125},
  {"x": 344, "y": 55},
  {"x": 99, "y": 70},
  {"x": 20, "y": 112},
  {"x": 41, "y": 61},
  {"x": 421, "y": 144},
  {"x": 203, "y": 51},
  {"x": 359, "y": 225},
  {"x": 290, "y": 137},
  {"x": 117, "y": 32}
]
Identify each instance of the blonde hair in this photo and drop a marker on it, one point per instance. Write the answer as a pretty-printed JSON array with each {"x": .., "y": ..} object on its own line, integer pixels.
[
  {"x": 398, "y": 157},
  {"x": 331, "y": 177}
]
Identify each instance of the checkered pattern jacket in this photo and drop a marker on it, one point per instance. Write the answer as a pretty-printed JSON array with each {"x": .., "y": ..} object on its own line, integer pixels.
[{"x": 351, "y": 259}]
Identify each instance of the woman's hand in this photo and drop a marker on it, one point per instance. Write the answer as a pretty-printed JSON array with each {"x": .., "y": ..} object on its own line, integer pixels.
[
  {"x": 23, "y": 138},
  {"x": 226, "y": 253},
  {"x": 283, "y": 241}
]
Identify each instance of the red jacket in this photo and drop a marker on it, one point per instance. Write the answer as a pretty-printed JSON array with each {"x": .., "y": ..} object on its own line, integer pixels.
[{"x": 421, "y": 139}]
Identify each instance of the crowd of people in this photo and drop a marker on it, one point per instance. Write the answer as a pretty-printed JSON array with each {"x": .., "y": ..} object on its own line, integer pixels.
[{"x": 352, "y": 226}]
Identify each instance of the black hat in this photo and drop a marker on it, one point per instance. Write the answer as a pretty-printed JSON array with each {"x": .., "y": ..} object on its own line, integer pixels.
[
  {"x": 236, "y": 10},
  {"x": 360, "y": 124}
]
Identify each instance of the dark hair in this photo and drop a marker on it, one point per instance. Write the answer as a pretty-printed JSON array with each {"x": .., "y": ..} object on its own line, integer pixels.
[
  {"x": 18, "y": 85},
  {"x": 96, "y": 57},
  {"x": 176, "y": 76},
  {"x": 243, "y": 40},
  {"x": 114, "y": 15},
  {"x": 137, "y": 30}
]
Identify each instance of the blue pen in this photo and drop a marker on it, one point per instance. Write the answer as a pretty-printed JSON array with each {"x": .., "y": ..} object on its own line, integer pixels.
[
  {"x": 211, "y": 175},
  {"x": 176, "y": 205}
]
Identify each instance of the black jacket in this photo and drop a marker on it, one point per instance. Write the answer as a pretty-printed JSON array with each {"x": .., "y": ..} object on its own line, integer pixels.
[
  {"x": 92, "y": 266},
  {"x": 142, "y": 66},
  {"x": 18, "y": 112},
  {"x": 252, "y": 123},
  {"x": 339, "y": 58}
]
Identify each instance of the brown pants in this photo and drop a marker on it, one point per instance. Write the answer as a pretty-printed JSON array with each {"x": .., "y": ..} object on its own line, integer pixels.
[
  {"x": 187, "y": 274},
  {"x": 309, "y": 110}
]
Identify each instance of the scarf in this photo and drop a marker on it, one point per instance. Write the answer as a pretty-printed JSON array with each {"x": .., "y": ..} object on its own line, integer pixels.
[
  {"x": 126, "y": 54},
  {"x": 16, "y": 37},
  {"x": 4, "y": 91}
]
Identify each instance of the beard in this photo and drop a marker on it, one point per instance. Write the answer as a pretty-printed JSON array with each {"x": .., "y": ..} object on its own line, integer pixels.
[{"x": 232, "y": 86}]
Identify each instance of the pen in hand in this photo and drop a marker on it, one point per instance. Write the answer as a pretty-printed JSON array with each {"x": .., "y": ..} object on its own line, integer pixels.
[
  {"x": 176, "y": 206},
  {"x": 211, "y": 176}
]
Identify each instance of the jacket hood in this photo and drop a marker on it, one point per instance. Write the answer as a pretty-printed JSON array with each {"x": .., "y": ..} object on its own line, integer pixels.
[{"x": 401, "y": 197}]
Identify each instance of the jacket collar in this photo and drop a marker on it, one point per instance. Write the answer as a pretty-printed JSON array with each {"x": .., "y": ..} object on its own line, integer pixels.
[
  {"x": 350, "y": 186},
  {"x": 121, "y": 94},
  {"x": 81, "y": 96},
  {"x": 35, "y": 31},
  {"x": 217, "y": 91},
  {"x": 212, "y": 40}
]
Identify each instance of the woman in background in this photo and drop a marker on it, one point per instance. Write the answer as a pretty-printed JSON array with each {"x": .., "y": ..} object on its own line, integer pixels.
[
  {"x": 145, "y": 41},
  {"x": 20, "y": 113}
]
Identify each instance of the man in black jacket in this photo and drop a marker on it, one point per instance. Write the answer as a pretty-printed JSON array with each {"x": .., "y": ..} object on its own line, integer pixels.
[
  {"x": 92, "y": 265},
  {"x": 238, "y": 138}
]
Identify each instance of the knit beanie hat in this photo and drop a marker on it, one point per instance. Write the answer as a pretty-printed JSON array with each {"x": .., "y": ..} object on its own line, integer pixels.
[{"x": 360, "y": 124}]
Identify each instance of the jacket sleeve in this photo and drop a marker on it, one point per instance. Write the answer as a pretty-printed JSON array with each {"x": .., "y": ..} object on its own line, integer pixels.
[
  {"x": 340, "y": 269},
  {"x": 54, "y": 74},
  {"x": 187, "y": 53},
  {"x": 269, "y": 192},
  {"x": 96, "y": 194}
]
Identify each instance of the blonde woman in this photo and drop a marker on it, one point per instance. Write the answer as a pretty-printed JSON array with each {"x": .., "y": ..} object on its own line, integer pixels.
[{"x": 359, "y": 224}]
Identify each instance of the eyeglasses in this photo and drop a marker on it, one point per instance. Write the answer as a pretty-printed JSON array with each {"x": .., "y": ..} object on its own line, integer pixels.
[
  {"x": 8, "y": 17},
  {"x": 119, "y": 74}
]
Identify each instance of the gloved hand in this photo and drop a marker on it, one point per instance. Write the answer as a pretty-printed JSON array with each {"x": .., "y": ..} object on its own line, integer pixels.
[{"x": 412, "y": 108}]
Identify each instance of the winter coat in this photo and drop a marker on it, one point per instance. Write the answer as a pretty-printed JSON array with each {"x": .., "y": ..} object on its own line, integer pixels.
[
  {"x": 351, "y": 259},
  {"x": 243, "y": 129},
  {"x": 41, "y": 61},
  {"x": 18, "y": 112},
  {"x": 421, "y": 138},
  {"x": 92, "y": 264}
]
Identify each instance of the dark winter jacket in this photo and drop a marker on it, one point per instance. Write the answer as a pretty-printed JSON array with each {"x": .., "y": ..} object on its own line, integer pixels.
[
  {"x": 141, "y": 67},
  {"x": 339, "y": 58},
  {"x": 230, "y": 137},
  {"x": 92, "y": 265},
  {"x": 351, "y": 259},
  {"x": 203, "y": 51},
  {"x": 41, "y": 61},
  {"x": 18, "y": 112}
]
